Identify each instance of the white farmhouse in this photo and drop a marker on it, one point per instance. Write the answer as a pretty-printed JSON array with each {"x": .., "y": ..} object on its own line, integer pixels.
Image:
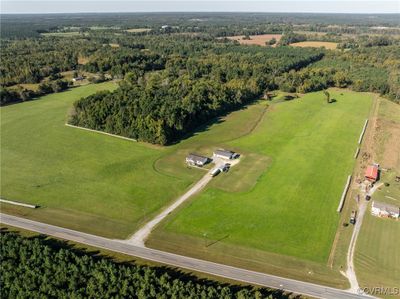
[{"x": 381, "y": 209}]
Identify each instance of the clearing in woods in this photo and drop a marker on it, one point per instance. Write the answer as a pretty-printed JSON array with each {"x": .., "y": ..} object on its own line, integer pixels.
[
  {"x": 255, "y": 39},
  {"x": 289, "y": 209},
  {"x": 315, "y": 44}
]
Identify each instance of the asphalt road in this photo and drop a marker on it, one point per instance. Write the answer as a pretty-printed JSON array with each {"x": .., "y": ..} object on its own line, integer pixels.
[{"x": 221, "y": 270}]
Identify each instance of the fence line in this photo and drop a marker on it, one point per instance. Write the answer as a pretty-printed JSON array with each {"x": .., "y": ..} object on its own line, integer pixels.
[
  {"x": 18, "y": 203},
  {"x": 346, "y": 188},
  {"x": 101, "y": 132},
  {"x": 357, "y": 152},
  {"x": 363, "y": 131}
]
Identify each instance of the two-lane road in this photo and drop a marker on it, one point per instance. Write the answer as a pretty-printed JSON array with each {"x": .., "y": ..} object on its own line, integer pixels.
[{"x": 220, "y": 270}]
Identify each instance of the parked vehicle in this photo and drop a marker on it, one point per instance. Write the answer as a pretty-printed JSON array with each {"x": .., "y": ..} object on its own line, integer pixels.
[
  {"x": 353, "y": 217},
  {"x": 226, "y": 167},
  {"x": 215, "y": 172}
]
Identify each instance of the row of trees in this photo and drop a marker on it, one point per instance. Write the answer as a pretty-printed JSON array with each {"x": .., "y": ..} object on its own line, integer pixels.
[
  {"x": 39, "y": 268},
  {"x": 161, "y": 107},
  {"x": 21, "y": 94}
]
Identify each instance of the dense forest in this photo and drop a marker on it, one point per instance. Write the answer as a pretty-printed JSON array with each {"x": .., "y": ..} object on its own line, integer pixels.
[
  {"x": 176, "y": 72},
  {"x": 46, "y": 268}
]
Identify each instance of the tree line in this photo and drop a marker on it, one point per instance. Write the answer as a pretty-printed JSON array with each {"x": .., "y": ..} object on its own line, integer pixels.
[
  {"x": 36, "y": 267},
  {"x": 371, "y": 69},
  {"x": 161, "y": 107}
]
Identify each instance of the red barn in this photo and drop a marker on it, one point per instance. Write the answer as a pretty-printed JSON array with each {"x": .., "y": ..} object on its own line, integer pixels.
[{"x": 371, "y": 173}]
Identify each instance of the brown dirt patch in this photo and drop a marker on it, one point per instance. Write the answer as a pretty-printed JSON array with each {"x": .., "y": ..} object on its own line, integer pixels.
[
  {"x": 138, "y": 30},
  {"x": 387, "y": 139},
  {"x": 83, "y": 60},
  {"x": 255, "y": 39}
]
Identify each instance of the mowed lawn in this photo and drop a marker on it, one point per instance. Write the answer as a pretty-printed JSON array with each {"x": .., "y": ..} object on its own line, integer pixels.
[
  {"x": 377, "y": 258},
  {"x": 81, "y": 180},
  {"x": 92, "y": 182},
  {"x": 291, "y": 209}
]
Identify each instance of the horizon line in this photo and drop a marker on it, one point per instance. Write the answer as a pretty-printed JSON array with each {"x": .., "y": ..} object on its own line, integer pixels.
[{"x": 198, "y": 11}]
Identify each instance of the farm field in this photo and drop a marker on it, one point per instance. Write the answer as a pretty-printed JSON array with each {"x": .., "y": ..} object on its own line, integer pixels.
[
  {"x": 96, "y": 183},
  {"x": 291, "y": 209},
  {"x": 138, "y": 30},
  {"x": 316, "y": 44},
  {"x": 63, "y": 34},
  {"x": 81, "y": 180},
  {"x": 255, "y": 39}
]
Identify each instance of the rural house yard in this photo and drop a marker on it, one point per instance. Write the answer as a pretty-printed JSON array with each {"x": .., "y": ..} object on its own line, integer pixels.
[{"x": 291, "y": 210}]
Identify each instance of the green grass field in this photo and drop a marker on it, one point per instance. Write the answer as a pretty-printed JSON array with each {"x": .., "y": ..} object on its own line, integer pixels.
[
  {"x": 291, "y": 210},
  {"x": 91, "y": 182},
  {"x": 377, "y": 258},
  {"x": 279, "y": 192},
  {"x": 80, "y": 179}
]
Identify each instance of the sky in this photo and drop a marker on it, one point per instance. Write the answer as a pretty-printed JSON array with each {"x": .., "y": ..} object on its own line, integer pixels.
[{"x": 316, "y": 6}]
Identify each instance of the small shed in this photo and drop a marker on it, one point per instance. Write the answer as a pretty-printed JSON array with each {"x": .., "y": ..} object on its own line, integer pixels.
[
  {"x": 371, "y": 173},
  {"x": 194, "y": 159},
  {"x": 381, "y": 209},
  {"x": 79, "y": 78}
]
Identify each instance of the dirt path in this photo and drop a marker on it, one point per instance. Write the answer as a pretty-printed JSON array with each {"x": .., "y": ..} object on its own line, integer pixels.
[
  {"x": 141, "y": 235},
  {"x": 368, "y": 156},
  {"x": 366, "y": 147},
  {"x": 350, "y": 272}
]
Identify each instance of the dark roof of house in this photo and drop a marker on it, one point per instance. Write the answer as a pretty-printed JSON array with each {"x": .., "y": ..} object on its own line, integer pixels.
[{"x": 197, "y": 158}]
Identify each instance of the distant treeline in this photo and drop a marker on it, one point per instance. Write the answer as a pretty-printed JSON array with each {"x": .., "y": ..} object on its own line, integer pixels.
[
  {"x": 46, "y": 268},
  {"x": 161, "y": 107},
  {"x": 220, "y": 24},
  {"x": 373, "y": 69}
]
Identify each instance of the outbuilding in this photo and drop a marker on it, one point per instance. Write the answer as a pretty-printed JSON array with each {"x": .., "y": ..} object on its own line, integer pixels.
[
  {"x": 371, "y": 174},
  {"x": 225, "y": 154},
  {"x": 76, "y": 79},
  {"x": 194, "y": 159},
  {"x": 381, "y": 209}
]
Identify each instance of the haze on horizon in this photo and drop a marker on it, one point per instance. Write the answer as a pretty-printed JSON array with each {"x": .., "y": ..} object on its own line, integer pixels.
[{"x": 284, "y": 6}]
